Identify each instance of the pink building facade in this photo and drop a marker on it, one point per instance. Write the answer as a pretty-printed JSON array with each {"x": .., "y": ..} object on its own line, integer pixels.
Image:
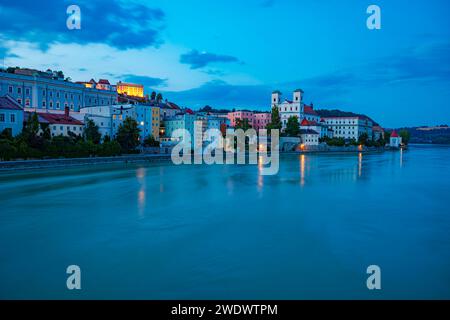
[
  {"x": 233, "y": 116},
  {"x": 261, "y": 120}
]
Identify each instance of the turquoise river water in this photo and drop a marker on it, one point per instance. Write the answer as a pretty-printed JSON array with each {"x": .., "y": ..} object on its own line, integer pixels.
[{"x": 159, "y": 231}]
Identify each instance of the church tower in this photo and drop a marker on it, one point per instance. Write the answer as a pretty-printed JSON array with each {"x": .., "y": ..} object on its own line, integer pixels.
[
  {"x": 298, "y": 96},
  {"x": 276, "y": 98}
]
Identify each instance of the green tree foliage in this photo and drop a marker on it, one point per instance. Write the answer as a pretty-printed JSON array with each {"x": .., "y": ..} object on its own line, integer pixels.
[
  {"x": 151, "y": 142},
  {"x": 405, "y": 135},
  {"x": 153, "y": 96},
  {"x": 31, "y": 135},
  {"x": 363, "y": 139},
  {"x": 159, "y": 97},
  {"x": 243, "y": 124},
  {"x": 292, "y": 127},
  {"x": 128, "y": 135},
  {"x": 91, "y": 132},
  {"x": 275, "y": 122}
]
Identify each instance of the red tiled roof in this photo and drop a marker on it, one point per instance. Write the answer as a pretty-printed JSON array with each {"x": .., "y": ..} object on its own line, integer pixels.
[
  {"x": 189, "y": 111},
  {"x": 103, "y": 81},
  {"x": 394, "y": 134},
  {"x": 53, "y": 118},
  {"x": 310, "y": 110},
  {"x": 9, "y": 103},
  {"x": 305, "y": 122}
]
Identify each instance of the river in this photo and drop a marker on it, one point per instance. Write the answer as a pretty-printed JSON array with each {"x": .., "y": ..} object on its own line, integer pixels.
[{"x": 160, "y": 231}]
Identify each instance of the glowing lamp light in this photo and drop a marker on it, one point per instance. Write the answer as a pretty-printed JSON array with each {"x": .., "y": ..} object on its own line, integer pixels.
[
  {"x": 302, "y": 147},
  {"x": 360, "y": 147},
  {"x": 142, "y": 123}
]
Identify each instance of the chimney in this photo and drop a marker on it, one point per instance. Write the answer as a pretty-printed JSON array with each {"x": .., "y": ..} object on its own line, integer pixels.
[
  {"x": 66, "y": 112},
  {"x": 312, "y": 105}
]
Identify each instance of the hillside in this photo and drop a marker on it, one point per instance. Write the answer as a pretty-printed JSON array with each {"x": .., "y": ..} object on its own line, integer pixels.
[
  {"x": 430, "y": 135},
  {"x": 339, "y": 113}
]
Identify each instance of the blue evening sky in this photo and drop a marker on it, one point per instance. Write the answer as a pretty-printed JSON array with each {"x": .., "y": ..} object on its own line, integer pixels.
[{"x": 233, "y": 54}]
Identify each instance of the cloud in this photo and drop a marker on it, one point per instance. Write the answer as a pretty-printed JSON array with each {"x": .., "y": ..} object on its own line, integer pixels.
[
  {"x": 116, "y": 23},
  {"x": 424, "y": 64},
  {"x": 201, "y": 59},
  {"x": 144, "y": 80},
  {"x": 6, "y": 53},
  {"x": 218, "y": 93}
]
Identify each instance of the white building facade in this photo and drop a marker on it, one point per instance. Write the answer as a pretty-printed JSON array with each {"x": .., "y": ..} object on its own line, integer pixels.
[
  {"x": 288, "y": 108},
  {"x": 349, "y": 127}
]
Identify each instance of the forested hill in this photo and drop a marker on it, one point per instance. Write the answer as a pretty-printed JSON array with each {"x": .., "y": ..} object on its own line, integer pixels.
[
  {"x": 339, "y": 113},
  {"x": 433, "y": 135}
]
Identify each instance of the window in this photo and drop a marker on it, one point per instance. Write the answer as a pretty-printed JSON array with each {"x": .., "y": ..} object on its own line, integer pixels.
[
  {"x": 13, "y": 118},
  {"x": 54, "y": 127},
  {"x": 74, "y": 128},
  {"x": 51, "y": 104},
  {"x": 61, "y": 128},
  {"x": 65, "y": 95},
  {"x": 27, "y": 91},
  {"x": 51, "y": 94},
  {"x": 10, "y": 89},
  {"x": 57, "y": 105},
  {"x": 43, "y": 92},
  {"x": 57, "y": 94},
  {"x": 27, "y": 102},
  {"x": 2, "y": 117},
  {"x": 19, "y": 101},
  {"x": 43, "y": 104},
  {"x": 19, "y": 90}
]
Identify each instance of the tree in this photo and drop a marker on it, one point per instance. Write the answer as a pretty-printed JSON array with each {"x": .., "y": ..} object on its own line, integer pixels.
[
  {"x": 6, "y": 134},
  {"x": 151, "y": 142},
  {"x": 153, "y": 96},
  {"x": 159, "y": 97},
  {"x": 128, "y": 135},
  {"x": 275, "y": 122},
  {"x": 60, "y": 75},
  {"x": 292, "y": 126},
  {"x": 30, "y": 132},
  {"x": 106, "y": 139},
  {"x": 243, "y": 124},
  {"x": 7, "y": 150},
  {"x": 387, "y": 136},
  {"x": 46, "y": 134},
  {"x": 91, "y": 132},
  {"x": 405, "y": 135},
  {"x": 363, "y": 138}
]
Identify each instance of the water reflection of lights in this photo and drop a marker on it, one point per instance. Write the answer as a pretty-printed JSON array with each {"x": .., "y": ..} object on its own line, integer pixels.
[
  {"x": 140, "y": 175},
  {"x": 260, "y": 176},
  {"x": 401, "y": 157},
  {"x": 302, "y": 170},
  {"x": 360, "y": 157}
]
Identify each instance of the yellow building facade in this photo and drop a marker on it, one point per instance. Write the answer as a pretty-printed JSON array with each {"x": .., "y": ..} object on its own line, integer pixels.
[
  {"x": 156, "y": 121},
  {"x": 130, "y": 89}
]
